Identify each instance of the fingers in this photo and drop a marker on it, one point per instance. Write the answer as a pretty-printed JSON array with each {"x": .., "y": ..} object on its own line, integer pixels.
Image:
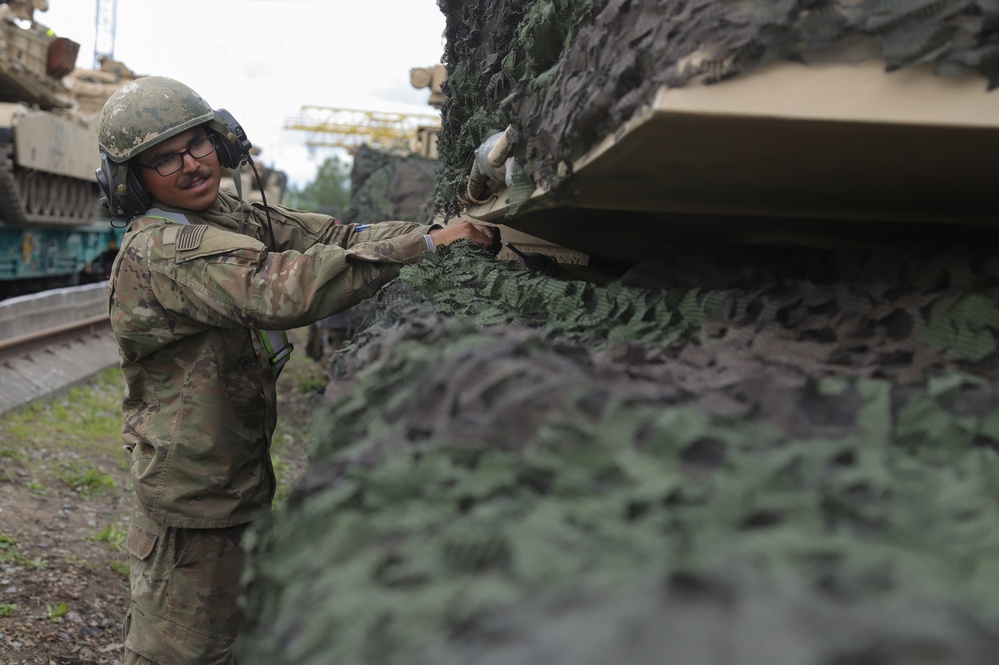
[
  {"x": 482, "y": 234},
  {"x": 487, "y": 236}
]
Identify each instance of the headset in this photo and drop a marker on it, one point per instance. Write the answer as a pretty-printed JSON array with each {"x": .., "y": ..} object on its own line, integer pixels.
[{"x": 124, "y": 195}]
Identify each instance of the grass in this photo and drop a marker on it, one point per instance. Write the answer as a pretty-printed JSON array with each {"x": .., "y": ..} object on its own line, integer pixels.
[
  {"x": 114, "y": 534},
  {"x": 85, "y": 420},
  {"x": 11, "y": 555},
  {"x": 56, "y": 612},
  {"x": 52, "y": 439},
  {"x": 87, "y": 482}
]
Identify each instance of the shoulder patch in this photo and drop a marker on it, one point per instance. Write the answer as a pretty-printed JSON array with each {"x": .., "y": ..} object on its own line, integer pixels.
[
  {"x": 190, "y": 237},
  {"x": 210, "y": 241}
]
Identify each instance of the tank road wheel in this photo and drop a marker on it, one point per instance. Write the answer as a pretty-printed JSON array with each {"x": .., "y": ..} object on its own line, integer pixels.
[
  {"x": 33, "y": 203},
  {"x": 66, "y": 198},
  {"x": 60, "y": 196},
  {"x": 73, "y": 199},
  {"x": 50, "y": 194},
  {"x": 23, "y": 191},
  {"x": 80, "y": 205}
]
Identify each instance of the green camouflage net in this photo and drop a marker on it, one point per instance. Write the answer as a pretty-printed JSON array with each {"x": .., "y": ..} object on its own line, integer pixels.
[
  {"x": 566, "y": 73},
  {"x": 387, "y": 186},
  {"x": 509, "y": 468}
]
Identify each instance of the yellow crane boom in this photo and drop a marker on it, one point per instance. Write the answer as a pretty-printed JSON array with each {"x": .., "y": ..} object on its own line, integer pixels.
[{"x": 329, "y": 127}]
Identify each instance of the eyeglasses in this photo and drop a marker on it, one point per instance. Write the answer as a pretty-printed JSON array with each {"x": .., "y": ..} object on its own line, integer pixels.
[{"x": 170, "y": 164}]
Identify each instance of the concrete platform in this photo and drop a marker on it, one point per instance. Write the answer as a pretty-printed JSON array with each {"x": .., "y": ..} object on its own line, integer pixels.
[
  {"x": 24, "y": 315},
  {"x": 48, "y": 368}
]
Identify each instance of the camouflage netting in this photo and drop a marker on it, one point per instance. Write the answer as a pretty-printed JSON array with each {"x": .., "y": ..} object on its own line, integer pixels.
[
  {"x": 745, "y": 457},
  {"x": 386, "y": 186},
  {"x": 566, "y": 73},
  {"x": 383, "y": 186}
]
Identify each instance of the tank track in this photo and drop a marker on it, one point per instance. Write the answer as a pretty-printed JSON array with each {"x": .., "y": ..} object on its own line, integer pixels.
[{"x": 35, "y": 198}]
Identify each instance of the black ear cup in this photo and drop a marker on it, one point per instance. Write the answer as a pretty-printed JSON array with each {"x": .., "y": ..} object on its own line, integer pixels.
[
  {"x": 124, "y": 195},
  {"x": 102, "y": 181},
  {"x": 134, "y": 198},
  {"x": 233, "y": 146}
]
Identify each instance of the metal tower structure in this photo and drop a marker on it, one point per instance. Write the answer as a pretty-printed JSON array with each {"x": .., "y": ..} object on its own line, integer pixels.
[
  {"x": 348, "y": 128},
  {"x": 107, "y": 12}
]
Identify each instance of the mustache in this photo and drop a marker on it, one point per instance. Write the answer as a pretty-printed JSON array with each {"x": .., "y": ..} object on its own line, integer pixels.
[{"x": 200, "y": 174}]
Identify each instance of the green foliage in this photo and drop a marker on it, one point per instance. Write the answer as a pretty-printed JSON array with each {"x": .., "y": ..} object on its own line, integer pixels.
[
  {"x": 114, "y": 534},
  {"x": 7, "y": 609},
  {"x": 56, "y": 612},
  {"x": 8, "y": 554},
  {"x": 10, "y": 453},
  {"x": 329, "y": 193},
  {"x": 88, "y": 482},
  {"x": 283, "y": 471}
]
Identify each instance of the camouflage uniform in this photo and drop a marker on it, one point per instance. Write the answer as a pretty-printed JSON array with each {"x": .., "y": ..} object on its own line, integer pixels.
[{"x": 186, "y": 304}]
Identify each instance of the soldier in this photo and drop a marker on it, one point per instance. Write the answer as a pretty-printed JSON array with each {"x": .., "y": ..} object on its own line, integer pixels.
[{"x": 200, "y": 278}]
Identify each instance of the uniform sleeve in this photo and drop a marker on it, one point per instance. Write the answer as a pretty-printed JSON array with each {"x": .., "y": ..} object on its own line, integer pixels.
[
  {"x": 217, "y": 278},
  {"x": 298, "y": 230}
]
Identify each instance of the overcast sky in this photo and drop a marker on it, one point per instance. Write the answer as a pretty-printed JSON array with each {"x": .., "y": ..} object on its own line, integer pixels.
[{"x": 264, "y": 59}]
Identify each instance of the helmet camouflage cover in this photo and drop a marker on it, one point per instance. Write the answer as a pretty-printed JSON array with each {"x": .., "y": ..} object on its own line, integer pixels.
[{"x": 148, "y": 111}]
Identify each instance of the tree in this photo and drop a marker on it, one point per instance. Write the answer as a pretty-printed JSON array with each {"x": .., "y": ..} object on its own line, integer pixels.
[{"x": 329, "y": 193}]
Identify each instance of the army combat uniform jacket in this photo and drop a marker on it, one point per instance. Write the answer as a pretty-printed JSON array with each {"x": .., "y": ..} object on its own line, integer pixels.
[{"x": 187, "y": 302}]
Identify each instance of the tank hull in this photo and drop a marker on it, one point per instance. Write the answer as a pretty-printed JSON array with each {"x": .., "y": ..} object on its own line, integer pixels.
[{"x": 815, "y": 155}]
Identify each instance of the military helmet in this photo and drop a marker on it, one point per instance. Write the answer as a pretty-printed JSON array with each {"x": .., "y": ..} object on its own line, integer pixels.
[{"x": 148, "y": 111}]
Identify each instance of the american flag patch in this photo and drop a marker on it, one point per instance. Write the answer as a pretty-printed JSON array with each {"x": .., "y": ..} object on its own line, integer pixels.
[{"x": 190, "y": 237}]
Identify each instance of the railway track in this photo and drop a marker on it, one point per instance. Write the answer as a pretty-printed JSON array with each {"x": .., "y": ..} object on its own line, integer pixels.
[{"x": 52, "y": 341}]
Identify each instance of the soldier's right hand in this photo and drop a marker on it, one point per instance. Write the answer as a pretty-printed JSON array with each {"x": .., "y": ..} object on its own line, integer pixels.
[{"x": 485, "y": 235}]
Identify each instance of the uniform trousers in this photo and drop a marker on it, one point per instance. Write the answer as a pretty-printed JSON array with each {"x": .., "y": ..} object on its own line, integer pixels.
[{"x": 184, "y": 585}]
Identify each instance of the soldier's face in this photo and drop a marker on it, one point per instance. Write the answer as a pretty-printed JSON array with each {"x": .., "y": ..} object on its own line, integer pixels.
[{"x": 195, "y": 185}]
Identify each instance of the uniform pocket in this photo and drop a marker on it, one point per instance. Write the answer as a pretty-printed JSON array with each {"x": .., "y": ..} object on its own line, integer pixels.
[{"x": 140, "y": 542}]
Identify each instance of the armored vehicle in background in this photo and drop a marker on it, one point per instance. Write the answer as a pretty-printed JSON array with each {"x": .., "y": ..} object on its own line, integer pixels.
[{"x": 51, "y": 227}]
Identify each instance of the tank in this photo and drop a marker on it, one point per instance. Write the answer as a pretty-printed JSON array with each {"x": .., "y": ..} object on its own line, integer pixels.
[
  {"x": 758, "y": 424},
  {"x": 50, "y": 148},
  {"x": 51, "y": 225},
  {"x": 811, "y": 125}
]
